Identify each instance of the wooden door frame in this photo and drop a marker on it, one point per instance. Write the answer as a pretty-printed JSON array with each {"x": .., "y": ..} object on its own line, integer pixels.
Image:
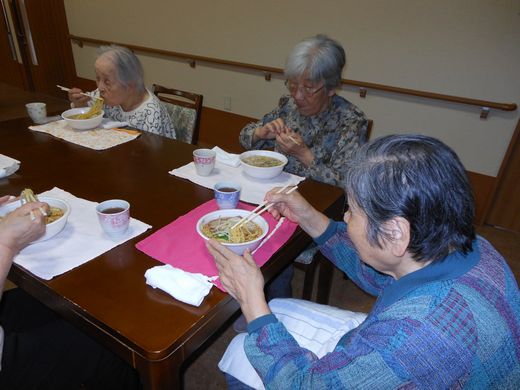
[{"x": 492, "y": 203}]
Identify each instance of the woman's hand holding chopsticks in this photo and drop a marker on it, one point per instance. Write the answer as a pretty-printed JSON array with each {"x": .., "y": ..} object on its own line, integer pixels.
[
  {"x": 296, "y": 208},
  {"x": 262, "y": 207}
]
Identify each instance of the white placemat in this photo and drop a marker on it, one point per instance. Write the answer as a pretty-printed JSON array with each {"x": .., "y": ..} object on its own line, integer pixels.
[
  {"x": 81, "y": 240},
  {"x": 8, "y": 165},
  {"x": 253, "y": 190},
  {"x": 97, "y": 139}
]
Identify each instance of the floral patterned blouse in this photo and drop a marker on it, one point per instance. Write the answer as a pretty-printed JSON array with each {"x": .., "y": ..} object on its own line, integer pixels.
[
  {"x": 150, "y": 116},
  {"x": 332, "y": 136}
]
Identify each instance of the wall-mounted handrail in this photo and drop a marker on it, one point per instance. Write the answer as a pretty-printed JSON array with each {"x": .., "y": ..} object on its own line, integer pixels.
[{"x": 485, "y": 105}]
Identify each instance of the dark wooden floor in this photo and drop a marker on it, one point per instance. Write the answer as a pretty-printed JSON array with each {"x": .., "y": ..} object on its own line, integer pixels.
[{"x": 202, "y": 372}]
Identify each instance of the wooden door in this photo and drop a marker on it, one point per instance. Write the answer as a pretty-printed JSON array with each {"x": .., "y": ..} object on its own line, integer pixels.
[
  {"x": 505, "y": 208},
  {"x": 44, "y": 46},
  {"x": 12, "y": 70}
]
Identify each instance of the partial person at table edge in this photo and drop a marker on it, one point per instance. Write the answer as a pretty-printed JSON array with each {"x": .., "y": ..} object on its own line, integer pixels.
[
  {"x": 448, "y": 307},
  {"x": 38, "y": 349},
  {"x": 120, "y": 82}
]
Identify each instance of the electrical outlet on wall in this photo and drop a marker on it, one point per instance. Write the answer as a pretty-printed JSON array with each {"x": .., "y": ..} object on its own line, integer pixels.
[{"x": 227, "y": 103}]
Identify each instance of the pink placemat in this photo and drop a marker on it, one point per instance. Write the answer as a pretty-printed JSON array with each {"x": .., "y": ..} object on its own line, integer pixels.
[{"x": 179, "y": 244}]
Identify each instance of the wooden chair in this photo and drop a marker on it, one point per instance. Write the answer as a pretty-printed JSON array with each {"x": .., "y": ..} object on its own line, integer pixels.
[
  {"x": 184, "y": 109},
  {"x": 319, "y": 264}
]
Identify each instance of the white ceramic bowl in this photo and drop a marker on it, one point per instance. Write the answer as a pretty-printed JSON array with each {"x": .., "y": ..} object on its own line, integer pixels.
[
  {"x": 82, "y": 124},
  {"x": 53, "y": 228},
  {"x": 237, "y": 248},
  {"x": 263, "y": 172}
]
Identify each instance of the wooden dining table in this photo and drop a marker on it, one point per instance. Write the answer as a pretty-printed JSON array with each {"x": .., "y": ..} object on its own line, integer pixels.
[{"x": 107, "y": 297}]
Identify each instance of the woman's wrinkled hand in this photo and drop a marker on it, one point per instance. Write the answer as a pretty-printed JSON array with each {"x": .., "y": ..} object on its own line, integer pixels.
[
  {"x": 241, "y": 278},
  {"x": 270, "y": 130},
  {"x": 292, "y": 143},
  {"x": 296, "y": 208},
  {"x": 76, "y": 97},
  {"x": 19, "y": 228}
]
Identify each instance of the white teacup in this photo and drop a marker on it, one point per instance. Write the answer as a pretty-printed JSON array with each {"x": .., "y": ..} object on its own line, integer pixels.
[
  {"x": 37, "y": 112},
  {"x": 204, "y": 160},
  {"x": 114, "y": 216}
]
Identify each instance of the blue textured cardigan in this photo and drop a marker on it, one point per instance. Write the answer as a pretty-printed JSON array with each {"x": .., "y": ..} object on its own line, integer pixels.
[{"x": 452, "y": 324}]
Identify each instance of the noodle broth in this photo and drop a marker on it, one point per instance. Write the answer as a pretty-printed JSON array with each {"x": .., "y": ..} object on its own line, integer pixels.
[
  {"x": 217, "y": 226},
  {"x": 262, "y": 164}
]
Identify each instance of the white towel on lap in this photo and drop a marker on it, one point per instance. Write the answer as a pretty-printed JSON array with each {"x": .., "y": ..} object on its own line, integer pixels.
[{"x": 315, "y": 327}]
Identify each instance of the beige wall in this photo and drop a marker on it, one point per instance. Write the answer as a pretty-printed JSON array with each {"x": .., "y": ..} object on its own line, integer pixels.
[{"x": 467, "y": 48}]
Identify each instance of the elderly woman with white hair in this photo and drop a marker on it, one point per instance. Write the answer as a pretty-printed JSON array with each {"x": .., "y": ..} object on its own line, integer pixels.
[
  {"x": 447, "y": 314},
  {"x": 314, "y": 127},
  {"x": 120, "y": 82}
]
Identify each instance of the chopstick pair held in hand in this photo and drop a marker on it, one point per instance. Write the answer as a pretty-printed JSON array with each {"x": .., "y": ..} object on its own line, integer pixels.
[
  {"x": 81, "y": 93},
  {"x": 28, "y": 196},
  {"x": 262, "y": 207}
]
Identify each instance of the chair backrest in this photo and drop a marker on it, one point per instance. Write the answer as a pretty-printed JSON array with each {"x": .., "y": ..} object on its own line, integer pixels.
[
  {"x": 184, "y": 109},
  {"x": 369, "y": 128}
]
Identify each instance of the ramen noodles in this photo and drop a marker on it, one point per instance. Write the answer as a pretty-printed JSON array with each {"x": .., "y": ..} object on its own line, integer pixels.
[
  {"x": 95, "y": 110},
  {"x": 220, "y": 229},
  {"x": 54, "y": 214},
  {"x": 262, "y": 161}
]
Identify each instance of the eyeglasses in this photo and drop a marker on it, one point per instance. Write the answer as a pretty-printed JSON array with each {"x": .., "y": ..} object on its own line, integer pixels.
[{"x": 307, "y": 91}]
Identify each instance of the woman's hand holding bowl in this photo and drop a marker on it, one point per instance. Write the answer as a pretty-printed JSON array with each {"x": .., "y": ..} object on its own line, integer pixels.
[
  {"x": 242, "y": 279},
  {"x": 18, "y": 228}
]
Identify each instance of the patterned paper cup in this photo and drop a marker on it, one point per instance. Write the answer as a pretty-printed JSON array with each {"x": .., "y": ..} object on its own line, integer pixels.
[
  {"x": 204, "y": 160},
  {"x": 37, "y": 112},
  {"x": 114, "y": 216}
]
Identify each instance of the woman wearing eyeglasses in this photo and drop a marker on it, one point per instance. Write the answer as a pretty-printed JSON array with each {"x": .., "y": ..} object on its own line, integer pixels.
[{"x": 315, "y": 128}]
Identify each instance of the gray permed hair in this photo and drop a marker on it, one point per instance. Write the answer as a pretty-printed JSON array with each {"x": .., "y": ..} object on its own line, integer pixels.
[{"x": 318, "y": 58}]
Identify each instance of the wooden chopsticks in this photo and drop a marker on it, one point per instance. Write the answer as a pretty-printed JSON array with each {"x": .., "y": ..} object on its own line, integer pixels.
[
  {"x": 262, "y": 207},
  {"x": 82, "y": 93},
  {"x": 295, "y": 140}
]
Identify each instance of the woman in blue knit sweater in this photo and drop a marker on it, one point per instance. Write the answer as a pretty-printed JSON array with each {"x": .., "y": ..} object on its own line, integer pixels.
[{"x": 448, "y": 307}]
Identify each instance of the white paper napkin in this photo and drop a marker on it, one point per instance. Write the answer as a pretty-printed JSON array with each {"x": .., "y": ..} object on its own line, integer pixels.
[
  {"x": 224, "y": 157},
  {"x": 108, "y": 124},
  {"x": 185, "y": 286},
  {"x": 8, "y": 165},
  {"x": 81, "y": 240},
  {"x": 253, "y": 190}
]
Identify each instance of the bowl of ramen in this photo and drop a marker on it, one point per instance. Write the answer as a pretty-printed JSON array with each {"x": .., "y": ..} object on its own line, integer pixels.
[
  {"x": 217, "y": 225},
  {"x": 55, "y": 220},
  {"x": 81, "y": 119},
  {"x": 262, "y": 164}
]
